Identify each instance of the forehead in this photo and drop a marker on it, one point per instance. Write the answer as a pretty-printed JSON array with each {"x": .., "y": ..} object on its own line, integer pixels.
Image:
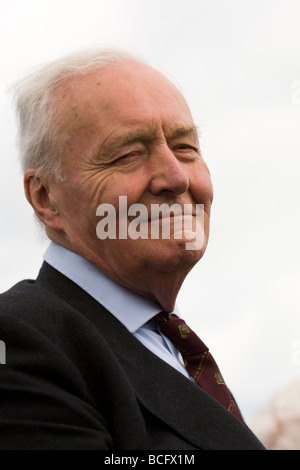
[{"x": 120, "y": 97}]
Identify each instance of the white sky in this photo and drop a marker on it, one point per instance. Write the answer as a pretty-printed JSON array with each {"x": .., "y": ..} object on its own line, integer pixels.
[{"x": 237, "y": 62}]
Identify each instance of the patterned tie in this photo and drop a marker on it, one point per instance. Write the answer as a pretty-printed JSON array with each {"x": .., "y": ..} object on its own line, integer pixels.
[{"x": 197, "y": 359}]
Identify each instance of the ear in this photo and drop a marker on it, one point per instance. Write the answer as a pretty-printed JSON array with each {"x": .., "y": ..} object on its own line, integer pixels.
[{"x": 38, "y": 195}]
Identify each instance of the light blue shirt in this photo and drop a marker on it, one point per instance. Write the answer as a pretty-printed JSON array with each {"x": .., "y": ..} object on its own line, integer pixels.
[{"x": 132, "y": 310}]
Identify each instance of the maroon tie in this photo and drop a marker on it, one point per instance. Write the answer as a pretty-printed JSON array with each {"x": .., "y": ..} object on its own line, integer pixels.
[{"x": 198, "y": 361}]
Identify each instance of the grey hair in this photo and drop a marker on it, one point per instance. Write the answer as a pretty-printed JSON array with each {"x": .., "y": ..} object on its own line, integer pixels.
[{"x": 40, "y": 138}]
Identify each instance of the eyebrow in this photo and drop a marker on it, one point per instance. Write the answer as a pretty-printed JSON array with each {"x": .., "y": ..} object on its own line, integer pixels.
[
  {"x": 123, "y": 141},
  {"x": 128, "y": 139},
  {"x": 185, "y": 132}
]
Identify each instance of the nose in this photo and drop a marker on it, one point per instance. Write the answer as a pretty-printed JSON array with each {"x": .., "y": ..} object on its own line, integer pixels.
[{"x": 168, "y": 173}]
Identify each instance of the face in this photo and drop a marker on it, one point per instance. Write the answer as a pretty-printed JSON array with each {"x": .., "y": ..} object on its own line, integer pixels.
[{"x": 130, "y": 134}]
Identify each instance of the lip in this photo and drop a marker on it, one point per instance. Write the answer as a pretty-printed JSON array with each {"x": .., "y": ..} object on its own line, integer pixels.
[
  {"x": 162, "y": 212},
  {"x": 186, "y": 210},
  {"x": 169, "y": 217},
  {"x": 164, "y": 219}
]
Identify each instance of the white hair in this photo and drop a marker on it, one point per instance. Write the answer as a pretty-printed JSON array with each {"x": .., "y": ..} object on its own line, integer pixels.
[{"x": 40, "y": 137}]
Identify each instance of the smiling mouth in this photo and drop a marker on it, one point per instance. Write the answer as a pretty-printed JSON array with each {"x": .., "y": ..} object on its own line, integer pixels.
[
  {"x": 160, "y": 214},
  {"x": 178, "y": 221},
  {"x": 166, "y": 212}
]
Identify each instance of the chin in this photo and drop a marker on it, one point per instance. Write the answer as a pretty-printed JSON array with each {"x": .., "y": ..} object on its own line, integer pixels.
[{"x": 170, "y": 258}]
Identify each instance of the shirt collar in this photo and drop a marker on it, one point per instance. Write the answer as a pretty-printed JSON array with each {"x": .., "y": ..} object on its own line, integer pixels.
[{"x": 131, "y": 309}]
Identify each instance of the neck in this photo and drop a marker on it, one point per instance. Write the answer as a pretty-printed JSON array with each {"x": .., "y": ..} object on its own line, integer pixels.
[
  {"x": 161, "y": 287},
  {"x": 154, "y": 281}
]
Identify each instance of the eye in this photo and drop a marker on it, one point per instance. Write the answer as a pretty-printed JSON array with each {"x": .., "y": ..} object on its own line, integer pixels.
[
  {"x": 129, "y": 155},
  {"x": 129, "y": 158},
  {"x": 186, "y": 148}
]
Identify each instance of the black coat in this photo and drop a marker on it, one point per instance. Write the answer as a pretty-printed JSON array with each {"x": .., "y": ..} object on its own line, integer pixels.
[{"x": 75, "y": 378}]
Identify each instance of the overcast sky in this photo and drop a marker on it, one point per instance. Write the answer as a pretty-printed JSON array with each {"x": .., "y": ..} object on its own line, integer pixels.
[{"x": 238, "y": 64}]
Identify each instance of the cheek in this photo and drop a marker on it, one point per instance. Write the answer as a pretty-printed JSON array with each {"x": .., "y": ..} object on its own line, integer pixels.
[
  {"x": 129, "y": 186},
  {"x": 75, "y": 207},
  {"x": 201, "y": 188}
]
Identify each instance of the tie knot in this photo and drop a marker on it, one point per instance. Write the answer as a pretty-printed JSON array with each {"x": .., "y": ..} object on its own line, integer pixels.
[{"x": 162, "y": 317}]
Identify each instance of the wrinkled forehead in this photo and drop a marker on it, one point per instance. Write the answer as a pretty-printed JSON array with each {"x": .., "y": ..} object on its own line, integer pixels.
[
  {"x": 106, "y": 85},
  {"x": 122, "y": 98}
]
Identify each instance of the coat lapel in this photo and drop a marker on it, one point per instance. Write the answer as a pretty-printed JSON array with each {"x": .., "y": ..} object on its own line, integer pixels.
[
  {"x": 177, "y": 401},
  {"x": 162, "y": 390}
]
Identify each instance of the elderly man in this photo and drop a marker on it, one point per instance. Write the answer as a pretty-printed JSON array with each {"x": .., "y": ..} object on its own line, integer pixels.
[{"x": 90, "y": 363}]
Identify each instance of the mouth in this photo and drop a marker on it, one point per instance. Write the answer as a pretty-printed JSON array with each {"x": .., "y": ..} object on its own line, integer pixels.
[
  {"x": 162, "y": 221},
  {"x": 166, "y": 212}
]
